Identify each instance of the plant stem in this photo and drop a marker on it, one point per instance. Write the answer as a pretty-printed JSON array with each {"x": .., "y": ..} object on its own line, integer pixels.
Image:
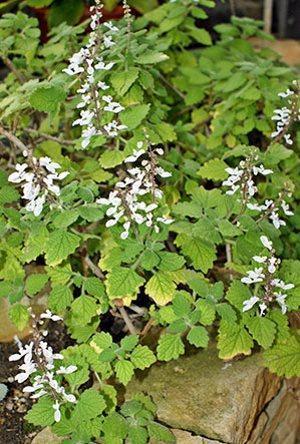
[
  {"x": 13, "y": 69},
  {"x": 17, "y": 142},
  {"x": 96, "y": 270},
  {"x": 127, "y": 320}
]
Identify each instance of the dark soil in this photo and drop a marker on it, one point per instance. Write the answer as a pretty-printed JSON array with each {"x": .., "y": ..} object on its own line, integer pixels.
[{"x": 14, "y": 429}]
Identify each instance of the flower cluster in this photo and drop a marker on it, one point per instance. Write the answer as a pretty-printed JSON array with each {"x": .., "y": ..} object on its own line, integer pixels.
[
  {"x": 39, "y": 364},
  {"x": 241, "y": 178},
  {"x": 92, "y": 68},
  {"x": 128, "y": 201},
  {"x": 38, "y": 178},
  {"x": 271, "y": 209},
  {"x": 285, "y": 116},
  {"x": 271, "y": 289}
]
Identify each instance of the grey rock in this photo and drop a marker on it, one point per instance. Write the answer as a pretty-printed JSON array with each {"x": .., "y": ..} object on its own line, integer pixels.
[{"x": 201, "y": 394}]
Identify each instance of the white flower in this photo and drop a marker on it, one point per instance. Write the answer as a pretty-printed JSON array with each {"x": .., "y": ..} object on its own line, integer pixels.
[
  {"x": 260, "y": 259},
  {"x": 49, "y": 315},
  {"x": 18, "y": 176},
  {"x": 66, "y": 370},
  {"x": 254, "y": 276},
  {"x": 262, "y": 308},
  {"x": 249, "y": 303},
  {"x": 280, "y": 284},
  {"x": 266, "y": 242},
  {"x": 286, "y": 209},
  {"x": 277, "y": 222},
  {"x": 280, "y": 298},
  {"x": 57, "y": 414}
]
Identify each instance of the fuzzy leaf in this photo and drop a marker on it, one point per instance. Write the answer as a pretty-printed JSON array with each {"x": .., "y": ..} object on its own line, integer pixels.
[
  {"x": 124, "y": 371},
  {"x": 122, "y": 81},
  {"x": 161, "y": 288},
  {"x": 84, "y": 308},
  {"x": 201, "y": 252},
  {"x": 133, "y": 116},
  {"x": 60, "y": 245},
  {"x": 233, "y": 340},
  {"x": 262, "y": 330},
  {"x": 35, "y": 283},
  {"x": 42, "y": 413},
  {"x": 48, "y": 98},
  {"x": 90, "y": 405},
  {"x": 19, "y": 315},
  {"x": 160, "y": 433},
  {"x": 214, "y": 169},
  {"x": 284, "y": 358},
  {"x": 169, "y": 347},
  {"x": 198, "y": 336},
  {"x": 123, "y": 282},
  {"x": 142, "y": 357},
  {"x": 60, "y": 298}
]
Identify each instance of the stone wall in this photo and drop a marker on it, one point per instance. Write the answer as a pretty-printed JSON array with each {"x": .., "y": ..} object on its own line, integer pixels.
[{"x": 207, "y": 401}]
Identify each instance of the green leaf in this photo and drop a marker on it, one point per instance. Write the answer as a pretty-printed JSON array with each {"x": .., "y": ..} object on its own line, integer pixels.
[
  {"x": 60, "y": 245},
  {"x": 207, "y": 311},
  {"x": 123, "y": 282},
  {"x": 237, "y": 294},
  {"x": 94, "y": 287},
  {"x": 42, "y": 413},
  {"x": 137, "y": 435},
  {"x": 170, "y": 347},
  {"x": 284, "y": 358},
  {"x": 90, "y": 405},
  {"x": 114, "y": 426},
  {"x": 170, "y": 261},
  {"x": 35, "y": 283},
  {"x": 202, "y": 252},
  {"x": 181, "y": 306},
  {"x": 201, "y": 36},
  {"x": 142, "y": 357},
  {"x": 233, "y": 83},
  {"x": 66, "y": 11},
  {"x": 124, "y": 371},
  {"x": 122, "y": 81},
  {"x": 84, "y": 308},
  {"x": 60, "y": 298},
  {"x": 101, "y": 341},
  {"x": 262, "y": 330},
  {"x": 214, "y": 169},
  {"x": 161, "y": 288},
  {"x": 198, "y": 336},
  {"x": 233, "y": 340},
  {"x": 160, "y": 433},
  {"x": 128, "y": 343},
  {"x": 19, "y": 315},
  {"x": 133, "y": 116},
  {"x": 151, "y": 57},
  {"x": 66, "y": 218},
  {"x": 47, "y": 98}
]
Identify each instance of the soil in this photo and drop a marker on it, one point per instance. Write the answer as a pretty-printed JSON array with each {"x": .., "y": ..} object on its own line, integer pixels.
[{"x": 14, "y": 429}]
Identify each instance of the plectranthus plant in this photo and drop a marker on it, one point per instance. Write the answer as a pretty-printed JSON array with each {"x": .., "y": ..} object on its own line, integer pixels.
[
  {"x": 39, "y": 180},
  {"x": 40, "y": 368},
  {"x": 90, "y": 66},
  {"x": 127, "y": 202},
  {"x": 148, "y": 202},
  {"x": 270, "y": 289}
]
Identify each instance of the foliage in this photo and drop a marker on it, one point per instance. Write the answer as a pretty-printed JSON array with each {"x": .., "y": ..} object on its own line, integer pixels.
[{"x": 156, "y": 202}]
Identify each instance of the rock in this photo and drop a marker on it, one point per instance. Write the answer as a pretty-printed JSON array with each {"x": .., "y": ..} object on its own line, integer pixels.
[
  {"x": 201, "y": 394},
  {"x": 46, "y": 437},
  {"x": 279, "y": 423},
  {"x": 183, "y": 437},
  {"x": 289, "y": 49}
]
